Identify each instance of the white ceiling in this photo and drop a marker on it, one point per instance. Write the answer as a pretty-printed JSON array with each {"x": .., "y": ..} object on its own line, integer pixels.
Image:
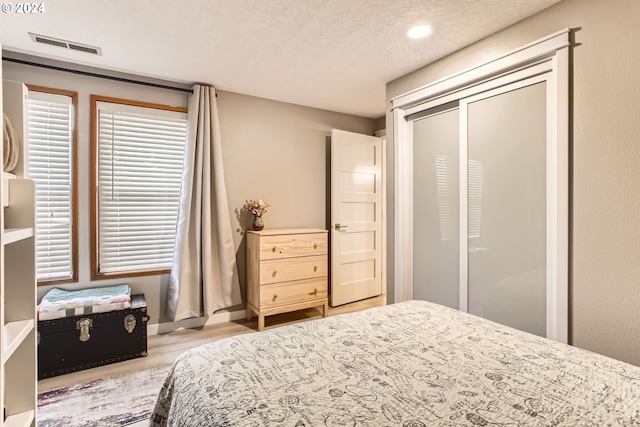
[{"x": 330, "y": 54}]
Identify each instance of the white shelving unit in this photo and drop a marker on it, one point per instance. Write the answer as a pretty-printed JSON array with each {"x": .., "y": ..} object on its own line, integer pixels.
[{"x": 18, "y": 373}]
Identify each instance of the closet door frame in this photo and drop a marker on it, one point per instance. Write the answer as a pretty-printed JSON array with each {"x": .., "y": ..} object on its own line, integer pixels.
[{"x": 547, "y": 60}]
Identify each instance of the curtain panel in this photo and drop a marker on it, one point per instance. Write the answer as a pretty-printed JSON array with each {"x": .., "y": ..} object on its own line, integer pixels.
[{"x": 204, "y": 276}]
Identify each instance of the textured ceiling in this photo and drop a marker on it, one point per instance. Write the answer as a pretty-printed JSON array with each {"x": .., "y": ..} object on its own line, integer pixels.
[{"x": 330, "y": 54}]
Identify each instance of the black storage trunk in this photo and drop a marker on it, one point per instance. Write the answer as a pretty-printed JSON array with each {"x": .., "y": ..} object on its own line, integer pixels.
[{"x": 74, "y": 343}]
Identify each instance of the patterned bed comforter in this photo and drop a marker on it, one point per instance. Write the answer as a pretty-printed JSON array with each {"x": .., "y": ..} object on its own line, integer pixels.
[{"x": 409, "y": 364}]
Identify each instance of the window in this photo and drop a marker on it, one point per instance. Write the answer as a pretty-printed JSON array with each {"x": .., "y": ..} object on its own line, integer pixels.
[
  {"x": 52, "y": 165},
  {"x": 137, "y": 163}
]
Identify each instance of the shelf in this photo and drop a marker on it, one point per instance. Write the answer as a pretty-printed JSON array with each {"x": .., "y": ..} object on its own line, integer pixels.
[
  {"x": 18, "y": 322},
  {"x": 12, "y": 235},
  {"x": 13, "y": 333},
  {"x": 6, "y": 176},
  {"x": 23, "y": 419}
]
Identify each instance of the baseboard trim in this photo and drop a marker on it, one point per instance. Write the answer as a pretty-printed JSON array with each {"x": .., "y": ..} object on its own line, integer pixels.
[{"x": 196, "y": 322}]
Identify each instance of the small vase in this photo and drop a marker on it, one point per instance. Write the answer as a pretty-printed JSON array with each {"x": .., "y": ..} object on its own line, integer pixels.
[{"x": 258, "y": 224}]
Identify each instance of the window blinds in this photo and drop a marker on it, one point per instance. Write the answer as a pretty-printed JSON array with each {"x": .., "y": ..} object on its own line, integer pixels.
[
  {"x": 140, "y": 159},
  {"x": 50, "y": 127}
]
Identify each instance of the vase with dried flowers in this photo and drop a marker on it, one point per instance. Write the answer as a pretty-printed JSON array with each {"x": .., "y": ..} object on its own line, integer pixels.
[{"x": 257, "y": 208}]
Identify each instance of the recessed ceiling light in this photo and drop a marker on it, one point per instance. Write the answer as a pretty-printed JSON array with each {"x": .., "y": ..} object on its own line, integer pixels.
[{"x": 419, "y": 31}]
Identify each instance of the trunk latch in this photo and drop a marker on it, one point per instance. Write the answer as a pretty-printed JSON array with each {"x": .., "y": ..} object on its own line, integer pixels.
[
  {"x": 84, "y": 325},
  {"x": 130, "y": 322}
]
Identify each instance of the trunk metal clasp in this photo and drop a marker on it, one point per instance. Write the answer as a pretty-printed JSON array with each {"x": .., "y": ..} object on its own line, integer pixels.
[
  {"x": 84, "y": 325},
  {"x": 130, "y": 322}
]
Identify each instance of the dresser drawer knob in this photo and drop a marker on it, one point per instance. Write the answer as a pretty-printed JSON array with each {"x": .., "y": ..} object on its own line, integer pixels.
[
  {"x": 275, "y": 272},
  {"x": 274, "y": 298},
  {"x": 274, "y": 249},
  {"x": 315, "y": 268},
  {"x": 315, "y": 246},
  {"x": 315, "y": 292}
]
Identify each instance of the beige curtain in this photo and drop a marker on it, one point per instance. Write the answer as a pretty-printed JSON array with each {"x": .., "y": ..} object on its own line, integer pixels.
[{"x": 204, "y": 275}]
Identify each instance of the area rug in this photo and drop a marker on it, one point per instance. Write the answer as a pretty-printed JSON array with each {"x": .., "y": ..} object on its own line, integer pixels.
[{"x": 113, "y": 401}]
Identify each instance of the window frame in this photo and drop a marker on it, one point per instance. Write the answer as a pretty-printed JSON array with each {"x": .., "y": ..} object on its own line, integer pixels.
[
  {"x": 94, "y": 99},
  {"x": 74, "y": 185}
]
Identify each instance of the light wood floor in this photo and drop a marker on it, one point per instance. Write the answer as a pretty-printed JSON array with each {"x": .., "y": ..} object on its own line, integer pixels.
[{"x": 165, "y": 348}]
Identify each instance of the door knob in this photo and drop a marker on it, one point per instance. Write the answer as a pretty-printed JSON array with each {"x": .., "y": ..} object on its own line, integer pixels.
[{"x": 341, "y": 227}]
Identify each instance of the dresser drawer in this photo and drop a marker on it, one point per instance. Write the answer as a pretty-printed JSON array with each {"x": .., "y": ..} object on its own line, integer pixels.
[
  {"x": 293, "y": 245},
  {"x": 288, "y": 269},
  {"x": 280, "y": 294}
]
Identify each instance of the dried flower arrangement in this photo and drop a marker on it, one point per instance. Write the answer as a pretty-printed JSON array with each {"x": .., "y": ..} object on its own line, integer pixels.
[{"x": 257, "y": 207}]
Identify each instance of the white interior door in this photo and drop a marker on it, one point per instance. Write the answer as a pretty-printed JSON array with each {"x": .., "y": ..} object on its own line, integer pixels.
[{"x": 356, "y": 217}]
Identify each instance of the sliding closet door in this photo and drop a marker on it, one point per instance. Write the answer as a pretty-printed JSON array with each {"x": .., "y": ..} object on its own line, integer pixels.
[
  {"x": 509, "y": 205},
  {"x": 506, "y": 207},
  {"x": 436, "y": 182}
]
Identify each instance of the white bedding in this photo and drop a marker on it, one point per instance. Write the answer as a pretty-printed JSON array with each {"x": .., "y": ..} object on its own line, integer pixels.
[{"x": 409, "y": 364}]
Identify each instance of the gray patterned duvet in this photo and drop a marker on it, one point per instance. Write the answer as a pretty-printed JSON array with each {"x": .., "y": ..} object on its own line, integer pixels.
[{"x": 409, "y": 364}]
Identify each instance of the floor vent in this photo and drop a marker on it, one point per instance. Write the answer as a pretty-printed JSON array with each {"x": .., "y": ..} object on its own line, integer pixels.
[{"x": 66, "y": 44}]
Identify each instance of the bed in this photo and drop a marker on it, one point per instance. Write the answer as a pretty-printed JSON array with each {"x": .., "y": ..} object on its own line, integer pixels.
[{"x": 408, "y": 364}]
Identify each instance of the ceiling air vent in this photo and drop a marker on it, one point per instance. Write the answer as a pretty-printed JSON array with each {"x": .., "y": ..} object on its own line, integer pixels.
[
  {"x": 82, "y": 48},
  {"x": 49, "y": 41},
  {"x": 66, "y": 44}
]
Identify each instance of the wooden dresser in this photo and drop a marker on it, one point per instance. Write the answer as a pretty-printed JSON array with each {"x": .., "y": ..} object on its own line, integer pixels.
[{"x": 287, "y": 270}]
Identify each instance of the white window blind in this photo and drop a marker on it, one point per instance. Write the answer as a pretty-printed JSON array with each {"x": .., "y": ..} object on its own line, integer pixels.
[
  {"x": 50, "y": 165},
  {"x": 140, "y": 160}
]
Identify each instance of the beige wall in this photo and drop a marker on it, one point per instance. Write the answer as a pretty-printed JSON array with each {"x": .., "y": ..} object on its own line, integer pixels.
[
  {"x": 272, "y": 150},
  {"x": 278, "y": 152},
  {"x": 380, "y": 123},
  {"x": 605, "y": 201}
]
